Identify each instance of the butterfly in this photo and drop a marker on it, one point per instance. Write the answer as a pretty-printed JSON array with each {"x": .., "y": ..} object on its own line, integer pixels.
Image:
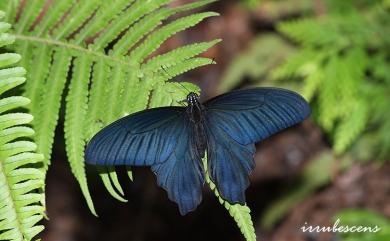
[{"x": 173, "y": 140}]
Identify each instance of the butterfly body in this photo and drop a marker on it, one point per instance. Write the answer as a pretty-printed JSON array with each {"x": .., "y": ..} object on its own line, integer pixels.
[
  {"x": 173, "y": 141},
  {"x": 194, "y": 111}
]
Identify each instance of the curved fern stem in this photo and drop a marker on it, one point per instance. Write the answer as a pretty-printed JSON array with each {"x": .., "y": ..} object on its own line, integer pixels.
[{"x": 240, "y": 213}]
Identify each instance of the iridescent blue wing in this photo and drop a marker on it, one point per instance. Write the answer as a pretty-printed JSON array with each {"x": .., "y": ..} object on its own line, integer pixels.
[
  {"x": 140, "y": 139},
  {"x": 161, "y": 138},
  {"x": 238, "y": 119},
  {"x": 182, "y": 175}
]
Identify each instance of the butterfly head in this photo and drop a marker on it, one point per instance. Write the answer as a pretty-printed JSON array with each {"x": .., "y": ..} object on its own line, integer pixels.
[{"x": 192, "y": 99}]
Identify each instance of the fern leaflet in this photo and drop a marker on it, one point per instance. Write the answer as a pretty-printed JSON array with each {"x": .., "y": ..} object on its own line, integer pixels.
[{"x": 21, "y": 183}]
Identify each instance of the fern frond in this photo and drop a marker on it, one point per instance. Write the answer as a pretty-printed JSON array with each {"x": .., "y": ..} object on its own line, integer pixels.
[
  {"x": 76, "y": 18},
  {"x": 299, "y": 64},
  {"x": 97, "y": 98},
  {"x": 313, "y": 32},
  {"x": 50, "y": 100},
  {"x": 185, "y": 66},
  {"x": 42, "y": 56},
  {"x": 107, "y": 12},
  {"x": 21, "y": 184},
  {"x": 312, "y": 81},
  {"x": 157, "y": 38},
  {"x": 256, "y": 62},
  {"x": 351, "y": 127},
  {"x": 148, "y": 24},
  {"x": 117, "y": 83},
  {"x": 52, "y": 16},
  {"x": 111, "y": 182},
  {"x": 10, "y": 8},
  {"x": 114, "y": 38},
  {"x": 171, "y": 93},
  {"x": 76, "y": 108},
  {"x": 133, "y": 13},
  {"x": 240, "y": 213},
  {"x": 28, "y": 17},
  {"x": 333, "y": 62},
  {"x": 178, "y": 55}
]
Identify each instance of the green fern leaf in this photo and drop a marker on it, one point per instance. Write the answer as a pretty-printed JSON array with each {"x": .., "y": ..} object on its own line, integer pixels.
[
  {"x": 45, "y": 124},
  {"x": 173, "y": 91},
  {"x": 314, "y": 32},
  {"x": 52, "y": 16},
  {"x": 256, "y": 62},
  {"x": 71, "y": 42},
  {"x": 21, "y": 184},
  {"x": 10, "y": 8},
  {"x": 240, "y": 213},
  {"x": 110, "y": 181},
  {"x": 333, "y": 62},
  {"x": 156, "y": 39},
  {"x": 148, "y": 24},
  {"x": 28, "y": 17},
  {"x": 178, "y": 55},
  {"x": 108, "y": 12},
  {"x": 78, "y": 16},
  {"x": 42, "y": 56},
  {"x": 126, "y": 18},
  {"x": 76, "y": 108},
  {"x": 351, "y": 127},
  {"x": 185, "y": 66}
]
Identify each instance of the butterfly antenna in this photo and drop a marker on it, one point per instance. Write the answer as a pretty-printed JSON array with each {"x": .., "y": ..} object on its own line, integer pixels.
[
  {"x": 184, "y": 87},
  {"x": 166, "y": 72}
]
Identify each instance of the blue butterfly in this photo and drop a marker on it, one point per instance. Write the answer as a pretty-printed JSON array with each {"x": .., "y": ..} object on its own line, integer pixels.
[{"x": 173, "y": 141}]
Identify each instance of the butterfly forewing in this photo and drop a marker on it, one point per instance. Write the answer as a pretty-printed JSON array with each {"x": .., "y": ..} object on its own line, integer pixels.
[
  {"x": 249, "y": 116},
  {"x": 140, "y": 139}
]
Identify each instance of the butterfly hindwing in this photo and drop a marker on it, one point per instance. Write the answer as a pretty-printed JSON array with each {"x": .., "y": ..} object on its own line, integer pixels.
[
  {"x": 237, "y": 120},
  {"x": 182, "y": 175},
  {"x": 140, "y": 139},
  {"x": 229, "y": 163}
]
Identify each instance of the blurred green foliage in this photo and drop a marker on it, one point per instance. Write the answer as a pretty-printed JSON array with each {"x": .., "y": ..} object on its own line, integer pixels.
[
  {"x": 264, "y": 53},
  {"x": 364, "y": 218},
  {"x": 340, "y": 64},
  {"x": 251, "y": 3},
  {"x": 343, "y": 62}
]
